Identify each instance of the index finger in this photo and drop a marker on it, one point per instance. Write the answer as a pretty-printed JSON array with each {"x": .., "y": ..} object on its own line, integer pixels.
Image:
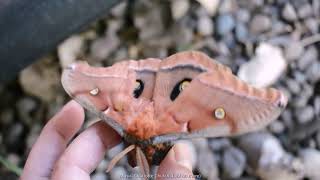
[{"x": 52, "y": 141}]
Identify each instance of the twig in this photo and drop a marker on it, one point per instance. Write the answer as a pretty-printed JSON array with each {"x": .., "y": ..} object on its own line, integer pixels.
[{"x": 12, "y": 167}]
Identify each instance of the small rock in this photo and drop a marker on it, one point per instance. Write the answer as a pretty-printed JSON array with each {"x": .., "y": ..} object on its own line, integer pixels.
[
  {"x": 70, "y": 49},
  {"x": 225, "y": 24},
  {"x": 299, "y": 76},
  {"x": 233, "y": 163},
  {"x": 317, "y": 138},
  {"x": 312, "y": 24},
  {"x": 179, "y": 8},
  {"x": 117, "y": 173},
  {"x": 311, "y": 160},
  {"x": 293, "y": 50},
  {"x": 148, "y": 14},
  {"x": 289, "y": 13},
  {"x": 14, "y": 159},
  {"x": 25, "y": 108},
  {"x": 241, "y": 32},
  {"x": 287, "y": 118},
  {"x": 317, "y": 105},
  {"x": 304, "y": 114},
  {"x": 277, "y": 127},
  {"x": 227, "y": 6},
  {"x": 265, "y": 68},
  {"x": 6, "y": 116},
  {"x": 119, "y": 9},
  {"x": 205, "y": 26},
  {"x": 268, "y": 158},
  {"x": 101, "y": 48},
  {"x": 219, "y": 144},
  {"x": 210, "y": 5},
  {"x": 99, "y": 176},
  {"x": 243, "y": 15},
  {"x": 293, "y": 86},
  {"x": 305, "y": 10},
  {"x": 13, "y": 137},
  {"x": 313, "y": 72},
  {"x": 33, "y": 135},
  {"x": 207, "y": 164},
  {"x": 41, "y": 79},
  {"x": 103, "y": 165},
  {"x": 260, "y": 23}
]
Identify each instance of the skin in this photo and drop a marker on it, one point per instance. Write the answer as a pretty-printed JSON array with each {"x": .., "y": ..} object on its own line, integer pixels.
[{"x": 53, "y": 156}]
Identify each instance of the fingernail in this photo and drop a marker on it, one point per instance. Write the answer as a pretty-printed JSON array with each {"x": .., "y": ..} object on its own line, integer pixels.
[{"x": 182, "y": 155}]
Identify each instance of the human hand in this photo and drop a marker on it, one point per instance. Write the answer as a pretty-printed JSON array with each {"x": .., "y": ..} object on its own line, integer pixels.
[{"x": 54, "y": 157}]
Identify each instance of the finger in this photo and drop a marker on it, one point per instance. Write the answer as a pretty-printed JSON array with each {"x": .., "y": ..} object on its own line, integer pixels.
[
  {"x": 85, "y": 152},
  {"x": 177, "y": 164},
  {"x": 52, "y": 141}
]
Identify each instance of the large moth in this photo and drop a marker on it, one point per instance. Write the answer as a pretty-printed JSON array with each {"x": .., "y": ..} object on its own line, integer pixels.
[{"x": 153, "y": 102}]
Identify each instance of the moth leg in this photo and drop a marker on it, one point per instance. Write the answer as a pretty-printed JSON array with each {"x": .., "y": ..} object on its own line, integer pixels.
[
  {"x": 117, "y": 158},
  {"x": 142, "y": 163}
]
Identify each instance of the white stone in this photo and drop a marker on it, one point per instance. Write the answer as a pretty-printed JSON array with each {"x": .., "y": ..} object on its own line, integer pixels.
[
  {"x": 69, "y": 50},
  {"x": 265, "y": 68},
  {"x": 179, "y": 8},
  {"x": 311, "y": 160},
  {"x": 211, "y": 6}
]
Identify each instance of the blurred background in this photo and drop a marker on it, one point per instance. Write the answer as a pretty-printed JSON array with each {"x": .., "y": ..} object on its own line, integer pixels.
[{"x": 265, "y": 42}]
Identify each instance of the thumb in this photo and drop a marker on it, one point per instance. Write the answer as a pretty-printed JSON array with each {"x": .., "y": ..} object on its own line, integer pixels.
[{"x": 177, "y": 164}]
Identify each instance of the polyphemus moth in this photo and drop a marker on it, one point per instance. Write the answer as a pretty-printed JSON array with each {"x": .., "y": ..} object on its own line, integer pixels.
[{"x": 153, "y": 102}]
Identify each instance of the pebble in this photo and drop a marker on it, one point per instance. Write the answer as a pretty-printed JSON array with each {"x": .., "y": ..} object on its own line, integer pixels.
[
  {"x": 289, "y": 13},
  {"x": 227, "y": 6},
  {"x": 287, "y": 118},
  {"x": 277, "y": 127},
  {"x": 260, "y": 23},
  {"x": 48, "y": 77},
  {"x": 205, "y": 26},
  {"x": 12, "y": 137},
  {"x": 70, "y": 49},
  {"x": 179, "y": 8},
  {"x": 293, "y": 86},
  {"x": 101, "y": 48},
  {"x": 317, "y": 105},
  {"x": 305, "y": 114},
  {"x": 312, "y": 24},
  {"x": 293, "y": 50},
  {"x": 117, "y": 172},
  {"x": 103, "y": 165},
  {"x": 218, "y": 144},
  {"x": 99, "y": 176},
  {"x": 243, "y": 15},
  {"x": 207, "y": 164},
  {"x": 305, "y": 10},
  {"x": 6, "y": 116},
  {"x": 311, "y": 160},
  {"x": 225, "y": 24},
  {"x": 210, "y": 5},
  {"x": 241, "y": 32},
  {"x": 313, "y": 72},
  {"x": 265, "y": 68},
  {"x": 233, "y": 163}
]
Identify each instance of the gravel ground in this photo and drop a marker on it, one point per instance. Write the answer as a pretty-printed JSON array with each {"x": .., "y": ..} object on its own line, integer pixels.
[{"x": 266, "y": 42}]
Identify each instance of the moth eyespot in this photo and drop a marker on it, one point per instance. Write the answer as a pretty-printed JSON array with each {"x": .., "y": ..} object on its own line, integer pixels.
[
  {"x": 184, "y": 85},
  {"x": 138, "y": 88},
  {"x": 179, "y": 87},
  {"x": 94, "y": 91},
  {"x": 219, "y": 113}
]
